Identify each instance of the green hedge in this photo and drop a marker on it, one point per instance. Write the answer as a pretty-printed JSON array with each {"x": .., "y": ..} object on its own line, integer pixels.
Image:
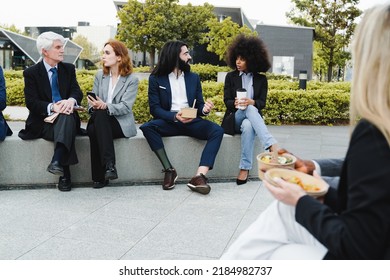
[
  {"x": 307, "y": 107},
  {"x": 208, "y": 72},
  {"x": 321, "y": 103}
]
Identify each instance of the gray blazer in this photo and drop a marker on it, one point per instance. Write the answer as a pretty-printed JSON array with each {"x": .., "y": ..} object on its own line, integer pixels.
[{"x": 123, "y": 99}]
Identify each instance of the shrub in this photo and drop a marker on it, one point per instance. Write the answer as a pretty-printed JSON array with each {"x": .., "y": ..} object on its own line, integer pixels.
[
  {"x": 307, "y": 107},
  {"x": 141, "y": 105},
  {"x": 279, "y": 77},
  {"x": 142, "y": 69},
  {"x": 208, "y": 72},
  {"x": 321, "y": 103}
]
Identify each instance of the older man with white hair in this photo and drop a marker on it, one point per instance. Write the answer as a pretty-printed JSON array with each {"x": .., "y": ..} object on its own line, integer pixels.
[{"x": 51, "y": 90}]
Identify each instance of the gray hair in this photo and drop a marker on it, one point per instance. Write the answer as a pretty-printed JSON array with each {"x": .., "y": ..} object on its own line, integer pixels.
[{"x": 46, "y": 39}]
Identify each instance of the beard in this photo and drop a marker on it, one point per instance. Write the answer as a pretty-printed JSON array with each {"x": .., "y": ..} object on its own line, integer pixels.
[{"x": 184, "y": 65}]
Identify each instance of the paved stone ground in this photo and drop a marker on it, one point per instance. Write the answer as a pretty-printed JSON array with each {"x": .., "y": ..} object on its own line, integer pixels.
[{"x": 144, "y": 222}]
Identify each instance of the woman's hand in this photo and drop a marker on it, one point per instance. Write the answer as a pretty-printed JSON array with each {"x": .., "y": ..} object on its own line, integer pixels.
[
  {"x": 286, "y": 192},
  {"x": 289, "y": 193},
  {"x": 243, "y": 102},
  {"x": 97, "y": 104}
]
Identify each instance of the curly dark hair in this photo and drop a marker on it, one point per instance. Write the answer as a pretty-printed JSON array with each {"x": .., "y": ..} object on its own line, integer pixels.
[{"x": 250, "y": 48}]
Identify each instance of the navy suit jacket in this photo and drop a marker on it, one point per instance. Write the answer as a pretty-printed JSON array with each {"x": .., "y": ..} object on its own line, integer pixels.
[
  {"x": 160, "y": 95},
  {"x": 233, "y": 81},
  {"x": 37, "y": 92}
]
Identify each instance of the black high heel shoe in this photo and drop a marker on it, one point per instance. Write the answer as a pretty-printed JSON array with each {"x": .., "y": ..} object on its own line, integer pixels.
[{"x": 242, "y": 182}]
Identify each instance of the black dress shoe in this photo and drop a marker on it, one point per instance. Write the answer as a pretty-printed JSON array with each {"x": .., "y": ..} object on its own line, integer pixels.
[
  {"x": 55, "y": 168},
  {"x": 100, "y": 184},
  {"x": 64, "y": 184},
  {"x": 111, "y": 173}
]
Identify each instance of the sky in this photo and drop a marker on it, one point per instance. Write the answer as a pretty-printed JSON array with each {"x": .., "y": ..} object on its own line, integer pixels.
[{"x": 103, "y": 12}]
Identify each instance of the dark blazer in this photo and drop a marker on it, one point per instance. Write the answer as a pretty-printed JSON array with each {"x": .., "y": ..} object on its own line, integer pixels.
[
  {"x": 160, "y": 95},
  {"x": 233, "y": 82},
  {"x": 4, "y": 128},
  {"x": 37, "y": 92},
  {"x": 354, "y": 222}
]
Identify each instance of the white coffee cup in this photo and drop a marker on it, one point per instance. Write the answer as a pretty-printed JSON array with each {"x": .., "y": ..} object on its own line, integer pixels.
[{"x": 241, "y": 93}]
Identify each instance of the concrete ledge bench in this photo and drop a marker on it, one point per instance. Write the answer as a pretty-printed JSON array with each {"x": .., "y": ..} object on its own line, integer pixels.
[{"x": 23, "y": 163}]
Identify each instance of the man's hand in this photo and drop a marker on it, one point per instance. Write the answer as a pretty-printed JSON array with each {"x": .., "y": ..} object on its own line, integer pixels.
[
  {"x": 208, "y": 106},
  {"x": 64, "y": 106},
  {"x": 181, "y": 119},
  {"x": 302, "y": 165}
]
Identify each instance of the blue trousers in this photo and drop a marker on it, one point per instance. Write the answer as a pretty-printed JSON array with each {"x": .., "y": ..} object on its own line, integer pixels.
[
  {"x": 250, "y": 123},
  {"x": 198, "y": 128}
]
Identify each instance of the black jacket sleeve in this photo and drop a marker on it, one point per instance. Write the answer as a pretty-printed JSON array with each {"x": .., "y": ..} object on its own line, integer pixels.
[{"x": 357, "y": 226}]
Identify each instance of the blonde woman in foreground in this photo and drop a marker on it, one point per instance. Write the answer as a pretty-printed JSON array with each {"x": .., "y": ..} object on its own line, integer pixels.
[{"x": 352, "y": 222}]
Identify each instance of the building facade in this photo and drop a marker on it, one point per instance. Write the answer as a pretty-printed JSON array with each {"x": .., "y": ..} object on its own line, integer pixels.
[
  {"x": 19, "y": 52},
  {"x": 97, "y": 35},
  {"x": 290, "y": 47}
]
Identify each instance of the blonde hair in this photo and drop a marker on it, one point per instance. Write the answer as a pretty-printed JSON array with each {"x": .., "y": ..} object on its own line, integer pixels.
[{"x": 370, "y": 98}]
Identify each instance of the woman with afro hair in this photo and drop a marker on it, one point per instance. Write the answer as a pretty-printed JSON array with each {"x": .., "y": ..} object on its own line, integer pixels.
[{"x": 248, "y": 56}]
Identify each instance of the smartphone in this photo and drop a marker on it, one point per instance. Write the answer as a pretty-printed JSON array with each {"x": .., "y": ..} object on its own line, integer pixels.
[{"x": 92, "y": 94}]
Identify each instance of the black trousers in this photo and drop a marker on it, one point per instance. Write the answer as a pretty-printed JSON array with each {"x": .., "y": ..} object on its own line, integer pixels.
[
  {"x": 63, "y": 130},
  {"x": 102, "y": 130}
]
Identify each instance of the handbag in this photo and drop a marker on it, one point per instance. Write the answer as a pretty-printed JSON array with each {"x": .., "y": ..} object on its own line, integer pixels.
[{"x": 228, "y": 123}]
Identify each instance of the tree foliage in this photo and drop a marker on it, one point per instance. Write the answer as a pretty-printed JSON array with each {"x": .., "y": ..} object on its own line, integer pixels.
[
  {"x": 12, "y": 28},
  {"x": 193, "y": 22},
  {"x": 221, "y": 34},
  {"x": 147, "y": 26},
  {"x": 334, "y": 23},
  {"x": 89, "y": 50},
  {"x": 319, "y": 64}
]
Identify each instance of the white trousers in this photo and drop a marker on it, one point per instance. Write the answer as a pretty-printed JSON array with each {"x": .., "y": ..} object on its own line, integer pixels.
[{"x": 276, "y": 235}]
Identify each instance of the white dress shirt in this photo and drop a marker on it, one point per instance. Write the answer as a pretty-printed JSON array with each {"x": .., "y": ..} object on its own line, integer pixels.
[{"x": 179, "y": 92}]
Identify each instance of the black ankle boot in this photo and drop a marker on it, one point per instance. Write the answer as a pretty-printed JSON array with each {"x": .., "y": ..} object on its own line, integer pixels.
[{"x": 111, "y": 173}]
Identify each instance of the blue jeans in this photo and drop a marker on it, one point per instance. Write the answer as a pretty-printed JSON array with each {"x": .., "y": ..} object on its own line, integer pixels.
[{"x": 250, "y": 123}]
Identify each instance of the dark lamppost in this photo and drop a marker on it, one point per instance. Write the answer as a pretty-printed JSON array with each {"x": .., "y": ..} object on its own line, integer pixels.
[
  {"x": 302, "y": 79},
  {"x": 144, "y": 54}
]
